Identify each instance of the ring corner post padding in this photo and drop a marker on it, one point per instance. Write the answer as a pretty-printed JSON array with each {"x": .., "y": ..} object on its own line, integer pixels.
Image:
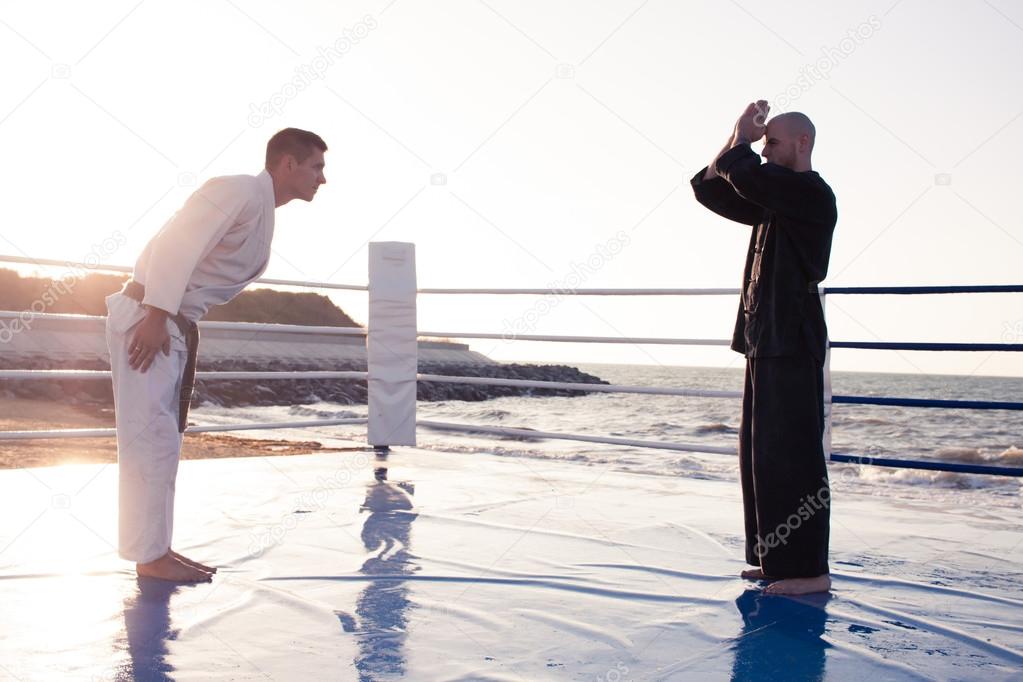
[{"x": 392, "y": 344}]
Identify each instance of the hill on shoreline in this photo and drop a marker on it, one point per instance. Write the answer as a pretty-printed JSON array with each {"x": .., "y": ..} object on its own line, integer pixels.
[{"x": 85, "y": 296}]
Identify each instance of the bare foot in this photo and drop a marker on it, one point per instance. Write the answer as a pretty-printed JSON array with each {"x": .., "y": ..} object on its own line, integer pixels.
[
  {"x": 755, "y": 574},
  {"x": 170, "y": 568},
  {"x": 191, "y": 562},
  {"x": 821, "y": 583}
]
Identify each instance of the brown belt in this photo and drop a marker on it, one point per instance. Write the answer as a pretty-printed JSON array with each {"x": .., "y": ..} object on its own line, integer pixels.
[{"x": 190, "y": 330}]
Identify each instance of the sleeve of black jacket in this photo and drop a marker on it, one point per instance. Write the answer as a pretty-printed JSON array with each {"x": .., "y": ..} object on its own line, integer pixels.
[{"x": 720, "y": 197}]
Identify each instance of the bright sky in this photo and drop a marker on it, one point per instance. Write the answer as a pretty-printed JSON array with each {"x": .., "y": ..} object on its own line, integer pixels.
[{"x": 516, "y": 142}]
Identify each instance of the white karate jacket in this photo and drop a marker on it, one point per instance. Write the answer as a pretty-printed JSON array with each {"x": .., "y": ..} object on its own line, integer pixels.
[{"x": 211, "y": 249}]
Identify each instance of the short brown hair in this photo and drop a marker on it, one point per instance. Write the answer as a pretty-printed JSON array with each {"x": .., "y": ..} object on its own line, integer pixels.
[{"x": 298, "y": 143}]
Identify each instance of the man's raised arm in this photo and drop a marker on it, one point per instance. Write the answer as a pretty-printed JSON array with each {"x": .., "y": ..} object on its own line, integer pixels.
[
  {"x": 713, "y": 191},
  {"x": 779, "y": 185}
]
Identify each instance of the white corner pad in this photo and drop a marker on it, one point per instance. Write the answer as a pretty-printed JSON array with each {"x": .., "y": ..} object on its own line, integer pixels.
[{"x": 392, "y": 345}]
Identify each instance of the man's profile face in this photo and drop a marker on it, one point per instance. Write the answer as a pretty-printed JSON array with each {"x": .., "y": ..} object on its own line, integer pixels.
[
  {"x": 307, "y": 176},
  {"x": 780, "y": 145}
]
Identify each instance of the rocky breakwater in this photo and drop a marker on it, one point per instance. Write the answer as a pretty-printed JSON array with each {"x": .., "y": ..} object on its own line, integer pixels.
[{"x": 232, "y": 393}]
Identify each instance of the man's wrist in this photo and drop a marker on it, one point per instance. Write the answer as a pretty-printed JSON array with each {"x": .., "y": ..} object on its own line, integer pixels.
[{"x": 153, "y": 311}]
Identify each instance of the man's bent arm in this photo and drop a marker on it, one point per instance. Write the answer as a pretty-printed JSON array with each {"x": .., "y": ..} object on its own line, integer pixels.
[
  {"x": 721, "y": 198},
  {"x": 767, "y": 185},
  {"x": 709, "y": 172},
  {"x": 714, "y": 193}
]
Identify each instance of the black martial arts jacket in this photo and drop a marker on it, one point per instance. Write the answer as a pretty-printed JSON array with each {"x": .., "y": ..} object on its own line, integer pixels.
[{"x": 794, "y": 216}]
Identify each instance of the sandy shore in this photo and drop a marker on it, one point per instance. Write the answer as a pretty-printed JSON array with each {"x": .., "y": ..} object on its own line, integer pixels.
[{"x": 21, "y": 414}]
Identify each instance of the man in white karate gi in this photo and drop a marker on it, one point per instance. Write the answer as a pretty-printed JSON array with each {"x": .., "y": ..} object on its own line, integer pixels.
[{"x": 203, "y": 256}]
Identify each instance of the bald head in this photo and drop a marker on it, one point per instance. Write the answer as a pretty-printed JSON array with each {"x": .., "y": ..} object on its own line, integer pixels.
[
  {"x": 794, "y": 123},
  {"x": 789, "y": 140}
]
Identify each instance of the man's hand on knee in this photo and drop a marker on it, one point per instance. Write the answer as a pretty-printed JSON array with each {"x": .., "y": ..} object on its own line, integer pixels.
[{"x": 150, "y": 337}]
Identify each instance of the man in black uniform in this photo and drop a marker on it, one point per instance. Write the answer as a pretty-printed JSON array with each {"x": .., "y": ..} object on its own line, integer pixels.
[{"x": 781, "y": 331}]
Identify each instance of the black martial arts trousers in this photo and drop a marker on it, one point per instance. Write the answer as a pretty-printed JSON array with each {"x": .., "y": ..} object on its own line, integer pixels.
[{"x": 785, "y": 492}]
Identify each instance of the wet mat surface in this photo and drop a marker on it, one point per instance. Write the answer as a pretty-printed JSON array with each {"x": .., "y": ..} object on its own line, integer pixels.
[{"x": 433, "y": 566}]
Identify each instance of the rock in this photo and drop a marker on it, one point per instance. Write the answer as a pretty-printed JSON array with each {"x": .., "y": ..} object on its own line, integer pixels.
[{"x": 237, "y": 393}]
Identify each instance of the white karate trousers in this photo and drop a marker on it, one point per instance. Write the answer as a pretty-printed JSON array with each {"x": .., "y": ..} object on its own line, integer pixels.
[{"x": 148, "y": 442}]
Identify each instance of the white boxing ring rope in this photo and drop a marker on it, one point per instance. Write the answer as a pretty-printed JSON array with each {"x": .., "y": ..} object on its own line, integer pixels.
[
  {"x": 254, "y": 327},
  {"x": 204, "y": 428},
  {"x": 588, "y": 292},
  {"x": 396, "y": 379},
  {"x": 206, "y": 376},
  {"x": 633, "y": 340},
  {"x": 101, "y": 267},
  {"x": 530, "y": 433}
]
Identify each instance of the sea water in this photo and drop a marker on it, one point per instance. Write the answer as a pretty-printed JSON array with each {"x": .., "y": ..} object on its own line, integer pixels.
[{"x": 973, "y": 436}]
